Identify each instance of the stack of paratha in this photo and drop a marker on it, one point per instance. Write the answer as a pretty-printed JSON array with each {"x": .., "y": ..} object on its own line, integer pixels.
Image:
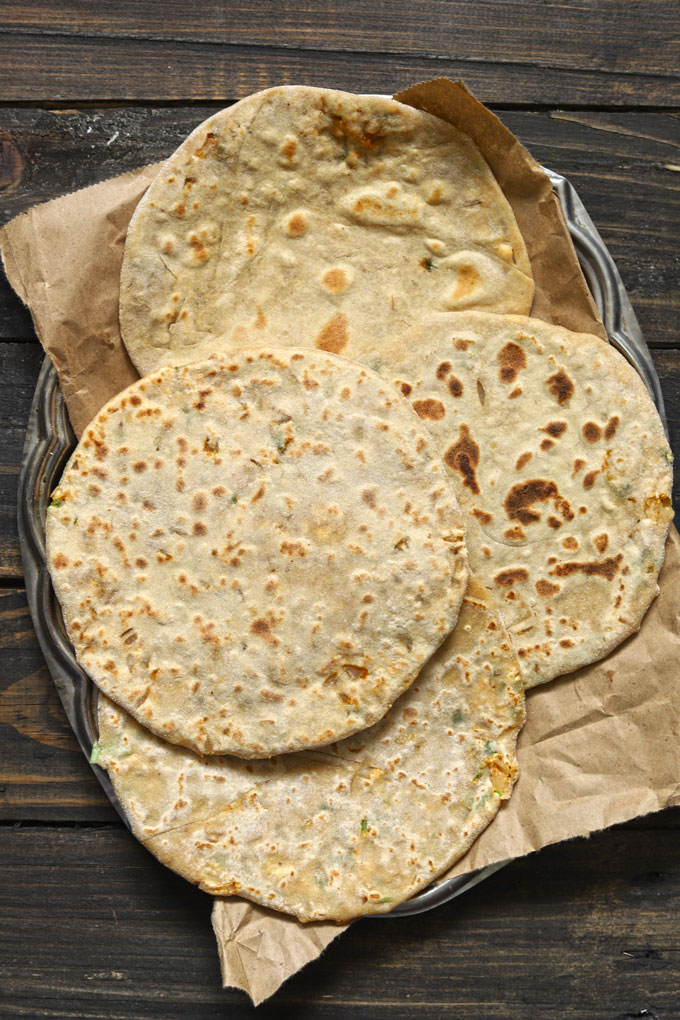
[{"x": 260, "y": 556}]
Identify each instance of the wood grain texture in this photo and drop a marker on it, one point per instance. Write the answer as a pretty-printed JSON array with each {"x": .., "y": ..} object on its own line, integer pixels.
[
  {"x": 532, "y": 52},
  {"x": 43, "y": 773},
  {"x": 621, "y": 164},
  {"x": 19, "y": 368},
  {"x": 96, "y": 928},
  {"x": 61, "y": 68}
]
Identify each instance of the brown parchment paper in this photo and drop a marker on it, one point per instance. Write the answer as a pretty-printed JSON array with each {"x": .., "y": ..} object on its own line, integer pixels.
[{"x": 600, "y": 746}]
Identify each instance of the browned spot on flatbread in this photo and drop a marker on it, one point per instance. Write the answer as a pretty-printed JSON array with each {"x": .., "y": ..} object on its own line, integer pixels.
[
  {"x": 547, "y": 444},
  {"x": 463, "y": 457},
  {"x": 406, "y": 389},
  {"x": 517, "y": 392},
  {"x": 262, "y": 628},
  {"x": 200, "y": 528},
  {"x": 555, "y": 428},
  {"x": 554, "y": 522},
  {"x": 570, "y": 543},
  {"x": 611, "y": 427},
  {"x": 443, "y": 370},
  {"x": 101, "y": 450},
  {"x": 589, "y": 479},
  {"x": 578, "y": 466},
  {"x": 592, "y": 433},
  {"x": 209, "y": 143},
  {"x": 139, "y": 466},
  {"x": 561, "y": 386},
  {"x": 455, "y": 386},
  {"x": 431, "y": 409},
  {"x": 608, "y": 568},
  {"x": 465, "y": 283},
  {"x": 288, "y": 148},
  {"x": 60, "y": 561},
  {"x": 199, "y": 503},
  {"x": 368, "y": 497},
  {"x": 333, "y": 337},
  {"x": 515, "y": 534},
  {"x": 199, "y": 251},
  {"x": 515, "y": 575},
  {"x": 461, "y": 345},
  {"x": 293, "y": 549},
  {"x": 566, "y": 643},
  {"x": 296, "y": 225},
  {"x": 601, "y": 542},
  {"x": 523, "y": 459},
  {"x": 335, "y": 280},
  {"x": 546, "y": 589},
  {"x": 522, "y": 496},
  {"x": 482, "y": 516},
  {"x": 511, "y": 360}
]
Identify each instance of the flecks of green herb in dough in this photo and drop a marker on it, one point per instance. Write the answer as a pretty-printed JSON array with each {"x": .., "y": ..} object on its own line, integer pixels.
[
  {"x": 96, "y": 751},
  {"x": 428, "y": 264},
  {"x": 187, "y": 410},
  {"x": 457, "y": 717},
  {"x": 56, "y": 502},
  {"x": 364, "y": 825},
  {"x": 59, "y": 685},
  {"x": 234, "y": 498},
  {"x": 489, "y": 747}
]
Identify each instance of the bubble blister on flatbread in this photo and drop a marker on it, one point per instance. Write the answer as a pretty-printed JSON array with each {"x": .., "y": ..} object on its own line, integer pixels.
[
  {"x": 351, "y": 830},
  {"x": 256, "y": 554},
  {"x": 347, "y": 216},
  {"x": 562, "y": 468}
]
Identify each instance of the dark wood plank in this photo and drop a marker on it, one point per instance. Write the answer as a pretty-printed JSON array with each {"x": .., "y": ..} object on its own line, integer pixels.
[
  {"x": 621, "y": 163},
  {"x": 608, "y": 54},
  {"x": 19, "y": 368},
  {"x": 93, "y": 927},
  {"x": 48, "y": 68},
  {"x": 590, "y": 34},
  {"x": 43, "y": 773}
]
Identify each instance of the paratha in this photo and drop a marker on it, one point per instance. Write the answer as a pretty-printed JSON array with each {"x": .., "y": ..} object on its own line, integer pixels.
[
  {"x": 300, "y": 207},
  {"x": 352, "y": 830},
  {"x": 562, "y": 468},
  {"x": 256, "y": 554}
]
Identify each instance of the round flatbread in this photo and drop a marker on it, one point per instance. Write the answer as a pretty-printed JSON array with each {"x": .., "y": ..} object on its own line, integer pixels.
[
  {"x": 347, "y": 216},
  {"x": 256, "y": 554},
  {"x": 563, "y": 470},
  {"x": 356, "y": 829}
]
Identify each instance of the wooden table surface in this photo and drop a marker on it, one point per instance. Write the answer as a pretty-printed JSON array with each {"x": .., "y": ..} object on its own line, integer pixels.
[{"x": 92, "y": 926}]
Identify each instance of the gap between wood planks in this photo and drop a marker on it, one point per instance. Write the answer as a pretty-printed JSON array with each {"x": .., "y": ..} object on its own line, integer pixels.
[{"x": 86, "y": 105}]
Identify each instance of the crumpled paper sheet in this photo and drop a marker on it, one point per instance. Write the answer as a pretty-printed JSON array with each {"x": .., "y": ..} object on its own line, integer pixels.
[{"x": 600, "y": 746}]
